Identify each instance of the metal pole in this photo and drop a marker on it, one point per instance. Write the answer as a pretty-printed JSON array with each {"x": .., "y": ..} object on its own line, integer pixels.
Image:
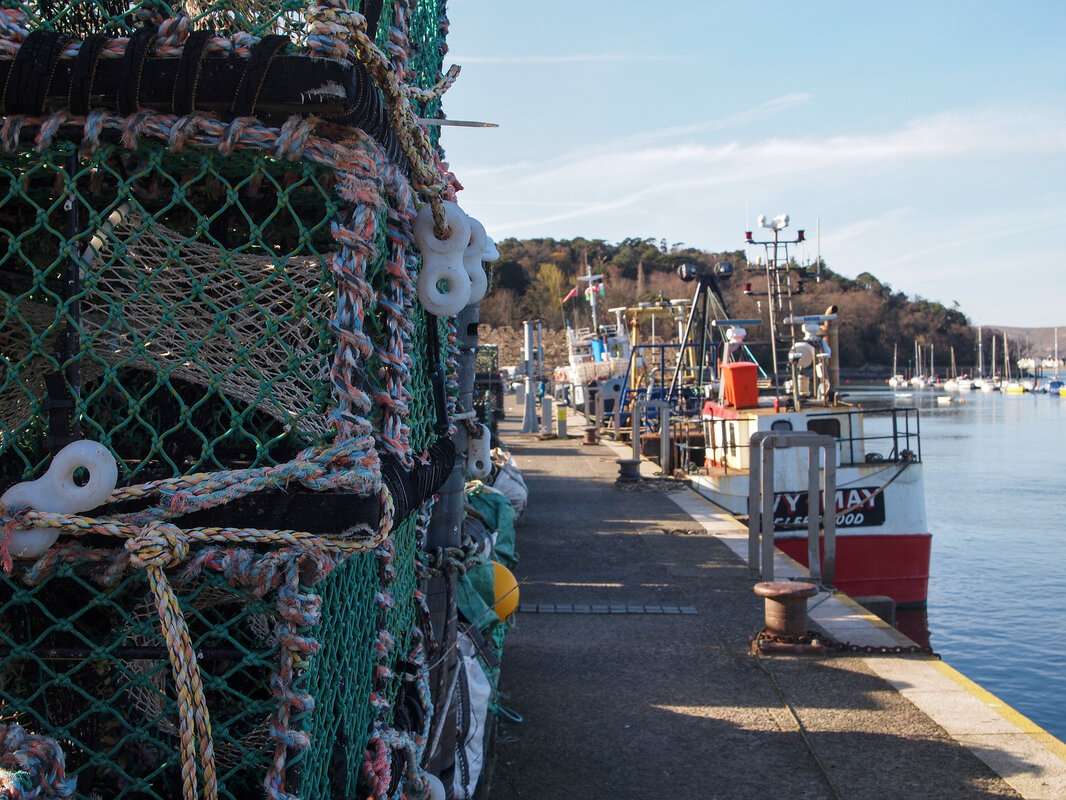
[
  {"x": 767, "y": 517},
  {"x": 829, "y": 524},
  {"x": 754, "y": 499},
  {"x": 529, "y": 416},
  {"x": 814, "y": 511},
  {"x": 444, "y": 532}
]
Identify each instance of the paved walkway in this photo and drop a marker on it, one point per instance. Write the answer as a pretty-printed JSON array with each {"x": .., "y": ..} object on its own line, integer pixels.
[{"x": 630, "y": 668}]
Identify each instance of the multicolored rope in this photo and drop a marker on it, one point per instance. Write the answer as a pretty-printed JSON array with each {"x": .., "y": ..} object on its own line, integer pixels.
[
  {"x": 371, "y": 189},
  {"x": 386, "y": 736},
  {"x": 31, "y": 766},
  {"x": 338, "y": 31}
]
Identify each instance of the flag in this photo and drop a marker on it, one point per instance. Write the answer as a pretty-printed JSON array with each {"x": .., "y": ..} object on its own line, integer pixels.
[
  {"x": 598, "y": 288},
  {"x": 573, "y": 293}
]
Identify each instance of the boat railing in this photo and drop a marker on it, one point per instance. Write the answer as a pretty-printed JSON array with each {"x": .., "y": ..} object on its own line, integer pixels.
[
  {"x": 649, "y": 374},
  {"x": 871, "y": 436}
]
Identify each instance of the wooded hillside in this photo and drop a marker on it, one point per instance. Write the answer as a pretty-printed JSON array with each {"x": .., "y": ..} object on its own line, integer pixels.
[{"x": 533, "y": 276}]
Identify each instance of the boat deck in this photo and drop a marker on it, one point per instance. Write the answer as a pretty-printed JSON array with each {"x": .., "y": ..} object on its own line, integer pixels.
[{"x": 630, "y": 666}]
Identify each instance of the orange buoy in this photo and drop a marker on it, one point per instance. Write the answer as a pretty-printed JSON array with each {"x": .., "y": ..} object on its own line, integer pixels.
[{"x": 506, "y": 588}]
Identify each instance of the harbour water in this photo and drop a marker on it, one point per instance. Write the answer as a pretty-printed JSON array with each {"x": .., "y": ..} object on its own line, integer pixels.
[{"x": 995, "y": 472}]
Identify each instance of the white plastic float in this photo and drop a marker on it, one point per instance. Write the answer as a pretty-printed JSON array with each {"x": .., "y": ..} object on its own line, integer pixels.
[
  {"x": 56, "y": 492},
  {"x": 472, "y": 258},
  {"x": 442, "y": 260},
  {"x": 436, "y": 788},
  {"x": 479, "y": 457},
  {"x": 457, "y": 260}
]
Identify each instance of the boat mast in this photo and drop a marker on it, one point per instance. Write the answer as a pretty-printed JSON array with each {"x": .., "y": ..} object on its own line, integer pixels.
[
  {"x": 778, "y": 278},
  {"x": 591, "y": 280},
  {"x": 980, "y": 354}
]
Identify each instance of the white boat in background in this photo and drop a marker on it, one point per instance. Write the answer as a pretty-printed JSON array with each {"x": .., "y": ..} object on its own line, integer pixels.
[
  {"x": 1055, "y": 385},
  {"x": 1012, "y": 385},
  {"x": 918, "y": 380},
  {"x": 957, "y": 383},
  {"x": 897, "y": 380},
  {"x": 981, "y": 383},
  {"x": 596, "y": 355}
]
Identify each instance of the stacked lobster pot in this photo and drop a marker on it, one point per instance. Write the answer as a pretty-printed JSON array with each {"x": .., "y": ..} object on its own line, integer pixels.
[{"x": 232, "y": 392}]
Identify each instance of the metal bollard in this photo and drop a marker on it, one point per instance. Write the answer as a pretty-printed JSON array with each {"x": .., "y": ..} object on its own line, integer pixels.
[
  {"x": 546, "y": 415},
  {"x": 560, "y": 421},
  {"x": 785, "y": 615}
]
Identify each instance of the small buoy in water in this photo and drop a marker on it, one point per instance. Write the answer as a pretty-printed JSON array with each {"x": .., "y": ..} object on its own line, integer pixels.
[{"x": 506, "y": 590}]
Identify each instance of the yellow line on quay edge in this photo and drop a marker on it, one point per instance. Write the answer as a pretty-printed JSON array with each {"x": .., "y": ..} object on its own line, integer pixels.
[{"x": 1046, "y": 740}]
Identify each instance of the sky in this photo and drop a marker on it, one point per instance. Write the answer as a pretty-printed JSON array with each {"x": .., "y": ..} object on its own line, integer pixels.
[{"x": 922, "y": 142}]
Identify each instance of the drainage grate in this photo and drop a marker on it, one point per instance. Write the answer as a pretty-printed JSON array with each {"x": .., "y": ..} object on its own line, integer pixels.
[{"x": 612, "y": 608}]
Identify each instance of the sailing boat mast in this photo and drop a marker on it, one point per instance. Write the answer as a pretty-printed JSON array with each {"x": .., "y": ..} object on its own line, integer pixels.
[
  {"x": 1056, "y": 353},
  {"x": 980, "y": 354}
]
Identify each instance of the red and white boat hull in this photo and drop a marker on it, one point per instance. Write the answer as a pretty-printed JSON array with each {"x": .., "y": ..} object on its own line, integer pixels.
[{"x": 893, "y": 565}]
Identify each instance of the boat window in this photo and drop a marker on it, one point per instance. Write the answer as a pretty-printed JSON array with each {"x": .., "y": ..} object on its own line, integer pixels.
[
  {"x": 827, "y": 426},
  {"x": 731, "y": 430},
  {"x": 781, "y": 425}
]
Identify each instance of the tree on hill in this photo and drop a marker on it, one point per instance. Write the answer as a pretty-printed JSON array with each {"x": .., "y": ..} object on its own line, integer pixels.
[{"x": 533, "y": 275}]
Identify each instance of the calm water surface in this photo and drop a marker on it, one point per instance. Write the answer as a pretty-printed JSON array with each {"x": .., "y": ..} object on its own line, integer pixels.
[{"x": 995, "y": 483}]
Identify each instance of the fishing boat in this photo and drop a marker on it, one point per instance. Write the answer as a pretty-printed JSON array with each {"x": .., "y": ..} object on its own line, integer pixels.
[
  {"x": 877, "y": 502},
  {"x": 597, "y": 356}
]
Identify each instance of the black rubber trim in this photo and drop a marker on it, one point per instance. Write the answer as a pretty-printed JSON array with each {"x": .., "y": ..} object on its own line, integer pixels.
[
  {"x": 251, "y": 83},
  {"x": 31, "y": 73},
  {"x": 129, "y": 90},
  {"x": 372, "y": 14},
  {"x": 183, "y": 100},
  {"x": 83, "y": 73}
]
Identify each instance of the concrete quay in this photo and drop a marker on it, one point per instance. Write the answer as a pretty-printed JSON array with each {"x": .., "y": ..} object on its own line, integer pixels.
[{"x": 630, "y": 666}]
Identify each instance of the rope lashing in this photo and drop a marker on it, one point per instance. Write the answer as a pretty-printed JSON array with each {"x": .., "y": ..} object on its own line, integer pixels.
[
  {"x": 31, "y": 766},
  {"x": 335, "y": 32},
  {"x": 159, "y": 545},
  {"x": 329, "y": 25},
  {"x": 162, "y": 545}
]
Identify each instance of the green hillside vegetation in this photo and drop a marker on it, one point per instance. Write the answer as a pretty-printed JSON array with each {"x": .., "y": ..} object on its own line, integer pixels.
[{"x": 533, "y": 276}]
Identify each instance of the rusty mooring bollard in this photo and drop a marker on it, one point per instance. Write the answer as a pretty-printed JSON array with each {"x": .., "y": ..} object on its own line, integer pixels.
[
  {"x": 786, "y": 618},
  {"x": 592, "y": 435},
  {"x": 628, "y": 469}
]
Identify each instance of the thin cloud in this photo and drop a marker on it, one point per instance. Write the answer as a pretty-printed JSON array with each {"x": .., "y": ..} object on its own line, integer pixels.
[{"x": 757, "y": 113}]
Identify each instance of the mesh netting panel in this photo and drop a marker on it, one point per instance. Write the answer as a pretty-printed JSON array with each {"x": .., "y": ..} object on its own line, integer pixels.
[
  {"x": 119, "y": 17},
  {"x": 189, "y": 328},
  {"x": 340, "y": 680},
  {"x": 211, "y": 299},
  {"x": 340, "y": 677},
  {"x": 99, "y": 681}
]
